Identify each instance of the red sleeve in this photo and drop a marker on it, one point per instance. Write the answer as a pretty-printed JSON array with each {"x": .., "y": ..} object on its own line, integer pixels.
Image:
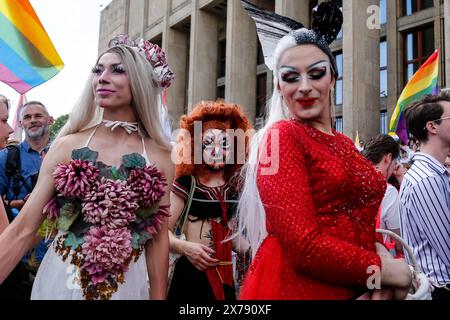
[{"x": 291, "y": 215}]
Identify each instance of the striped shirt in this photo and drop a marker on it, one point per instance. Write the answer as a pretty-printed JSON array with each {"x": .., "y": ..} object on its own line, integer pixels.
[{"x": 425, "y": 216}]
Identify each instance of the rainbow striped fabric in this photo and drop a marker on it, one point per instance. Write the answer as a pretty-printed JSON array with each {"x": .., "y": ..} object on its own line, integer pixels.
[
  {"x": 27, "y": 55},
  {"x": 423, "y": 82}
]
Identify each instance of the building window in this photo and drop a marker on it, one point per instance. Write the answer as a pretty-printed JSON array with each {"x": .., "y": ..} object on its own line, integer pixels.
[
  {"x": 413, "y": 6},
  {"x": 261, "y": 95},
  {"x": 222, "y": 59},
  {"x": 419, "y": 45},
  {"x": 260, "y": 57},
  {"x": 383, "y": 11},
  {"x": 220, "y": 92},
  {"x": 383, "y": 123},
  {"x": 383, "y": 69},
  {"x": 339, "y": 124},
  {"x": 339, "y": 90}
]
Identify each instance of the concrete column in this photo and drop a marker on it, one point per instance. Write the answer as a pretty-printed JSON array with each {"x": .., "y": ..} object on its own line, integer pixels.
[
  {"x": 203, "y": 56},
  {"x": 241, "y": 52},
  {"x": 298, "y": 10},
  {"x": 113, "y": 21},
  {"x": 393, "y": 62},
  {"x": 447, "y": 41},
  {"x": 136, "y": 18},
  {"x": 176, "y": 46},
  {"x": 361, "y": 107}
]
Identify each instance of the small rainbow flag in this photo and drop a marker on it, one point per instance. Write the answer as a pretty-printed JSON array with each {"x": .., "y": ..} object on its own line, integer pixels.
[
  {"x": 423, "y": 82},
  {"x": 27, "y": 55}
]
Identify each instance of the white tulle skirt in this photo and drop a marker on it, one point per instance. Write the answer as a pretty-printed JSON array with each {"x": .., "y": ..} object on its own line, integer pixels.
[{"x": 57, "y": 280}]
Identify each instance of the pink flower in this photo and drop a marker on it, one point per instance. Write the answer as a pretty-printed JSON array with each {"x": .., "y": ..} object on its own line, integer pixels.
[
  {"x": 110, "y": 203},
  {"x": 75, "y": 179},
  {"x": 157, "y": 220},
  {"x": 106, "y": 252},
  {"x": 51, "y": 209},
  {"x": 148, "y": 183}
]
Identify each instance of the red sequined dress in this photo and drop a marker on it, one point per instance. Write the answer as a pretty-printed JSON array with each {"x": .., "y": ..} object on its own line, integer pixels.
[{"x": 321, "y": 207}]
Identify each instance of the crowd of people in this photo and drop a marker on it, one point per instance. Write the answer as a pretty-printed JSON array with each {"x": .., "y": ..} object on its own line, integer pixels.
[{"x": 115, "y": 209}]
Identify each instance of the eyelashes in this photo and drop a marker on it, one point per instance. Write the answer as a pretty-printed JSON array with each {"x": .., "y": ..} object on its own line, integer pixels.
[
  {"x": 96, "y": 70},
  {"x": 115, "y": 69},
  {"x": 314, "y": 74},
  {"x": 209, "y": 144}
]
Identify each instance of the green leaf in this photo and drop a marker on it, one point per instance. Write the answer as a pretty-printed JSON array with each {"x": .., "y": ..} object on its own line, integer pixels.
[
  {"x": 132, "y": 161},
  {"x": 144, "y": 236},
  {"x": 117, "y": 174},
  {"x": 79, "y": 227},
  {"x": 72, "y": 241},
  {"x": 148, "y": 212},
  {"x": 84, "y": 154},
  {"x": 46, "y": 228},
  {"x": 136, "y": 241},
  {"x": 68, "y": 214}
]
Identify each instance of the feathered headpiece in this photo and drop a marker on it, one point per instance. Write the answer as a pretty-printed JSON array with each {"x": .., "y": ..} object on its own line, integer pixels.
[
  {"x": 162, "y": 75},
  {"x": 271, "y": 28}
]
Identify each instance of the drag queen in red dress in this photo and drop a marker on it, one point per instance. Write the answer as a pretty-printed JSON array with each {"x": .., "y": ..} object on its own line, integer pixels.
[{"x": 311, "y": 224}]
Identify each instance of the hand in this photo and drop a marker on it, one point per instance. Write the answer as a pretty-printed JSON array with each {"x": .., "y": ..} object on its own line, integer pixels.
[
  {"x": 400, "y": 293},
  {"x": 386, "y": 293},
  {"x": 397, "y": 274},
  {"x": 382, "y": 251},
  {"x": 200, "y": 255}
]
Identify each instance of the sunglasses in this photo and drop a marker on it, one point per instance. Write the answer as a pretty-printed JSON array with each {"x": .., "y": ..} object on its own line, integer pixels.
[{"x": 445, "y": 118}]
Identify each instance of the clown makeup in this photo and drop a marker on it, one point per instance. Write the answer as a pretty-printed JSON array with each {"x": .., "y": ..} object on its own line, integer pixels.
[
  {"x": 216, "y": 148},
  {"x": 314, "y": 72}
]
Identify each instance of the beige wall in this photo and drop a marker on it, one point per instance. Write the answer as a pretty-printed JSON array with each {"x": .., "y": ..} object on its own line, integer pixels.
[
  {"x": 156, "y": 11},
  {"x": 297, "y": 10},
  {"x": 240, "y": 79},
  {"x": 112, "y": 22},
  {"x": 203, "y": 57},
  {"x": 361, "y": 107}
]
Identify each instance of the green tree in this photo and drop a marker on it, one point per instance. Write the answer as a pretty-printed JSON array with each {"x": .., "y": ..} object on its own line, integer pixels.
[{"x": 59, "y": 123}]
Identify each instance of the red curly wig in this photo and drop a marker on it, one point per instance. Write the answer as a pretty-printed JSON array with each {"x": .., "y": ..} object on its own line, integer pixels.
[{"x": 213, "y": 115}]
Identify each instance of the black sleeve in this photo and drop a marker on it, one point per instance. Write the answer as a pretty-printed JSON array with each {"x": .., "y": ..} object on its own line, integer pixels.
[{"x": 181, "y": 186}]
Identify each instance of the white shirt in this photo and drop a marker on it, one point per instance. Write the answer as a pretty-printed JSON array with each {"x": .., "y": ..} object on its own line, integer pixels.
[{"x": 390, "y": 216}]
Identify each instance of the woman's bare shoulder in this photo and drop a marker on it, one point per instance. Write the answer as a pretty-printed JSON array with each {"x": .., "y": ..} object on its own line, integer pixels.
[
  {"x": 160, "y": 155},
  {"x": 62, "y": 147}
]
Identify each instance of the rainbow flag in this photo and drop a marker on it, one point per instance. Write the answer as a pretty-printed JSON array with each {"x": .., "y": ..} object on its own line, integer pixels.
[
  {"x": 423, "y": 82},
  {"x": 27, "y": 55}
]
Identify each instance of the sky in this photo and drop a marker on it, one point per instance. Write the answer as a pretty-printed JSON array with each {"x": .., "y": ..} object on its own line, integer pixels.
[{"x": 73, "y": 27}]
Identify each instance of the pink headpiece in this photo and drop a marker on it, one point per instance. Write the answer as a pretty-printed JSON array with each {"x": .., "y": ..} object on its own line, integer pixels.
[{"x": 162, "y": 75}]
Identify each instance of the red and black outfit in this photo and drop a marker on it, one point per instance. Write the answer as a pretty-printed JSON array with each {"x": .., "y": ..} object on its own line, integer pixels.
[
  {"x": 320, "y": 206},
  {"x": 215, "y": 205}
]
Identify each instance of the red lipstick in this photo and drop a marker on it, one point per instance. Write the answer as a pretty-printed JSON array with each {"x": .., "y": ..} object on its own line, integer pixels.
[{"x": 307, "y": 102}]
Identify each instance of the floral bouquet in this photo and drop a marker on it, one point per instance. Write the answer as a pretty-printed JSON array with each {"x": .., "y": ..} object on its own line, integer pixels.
[{"x": 106, "y": 215}]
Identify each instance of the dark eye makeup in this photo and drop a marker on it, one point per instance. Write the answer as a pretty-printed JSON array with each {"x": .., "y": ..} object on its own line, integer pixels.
[{"x": 291, "y": 76}]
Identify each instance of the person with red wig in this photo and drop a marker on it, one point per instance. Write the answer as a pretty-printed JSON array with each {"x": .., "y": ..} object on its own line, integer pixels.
[{"x": 212, "y": 155}]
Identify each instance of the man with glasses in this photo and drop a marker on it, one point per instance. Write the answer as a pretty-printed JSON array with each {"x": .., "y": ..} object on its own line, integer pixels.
[{"x": 425, "y": 192}]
